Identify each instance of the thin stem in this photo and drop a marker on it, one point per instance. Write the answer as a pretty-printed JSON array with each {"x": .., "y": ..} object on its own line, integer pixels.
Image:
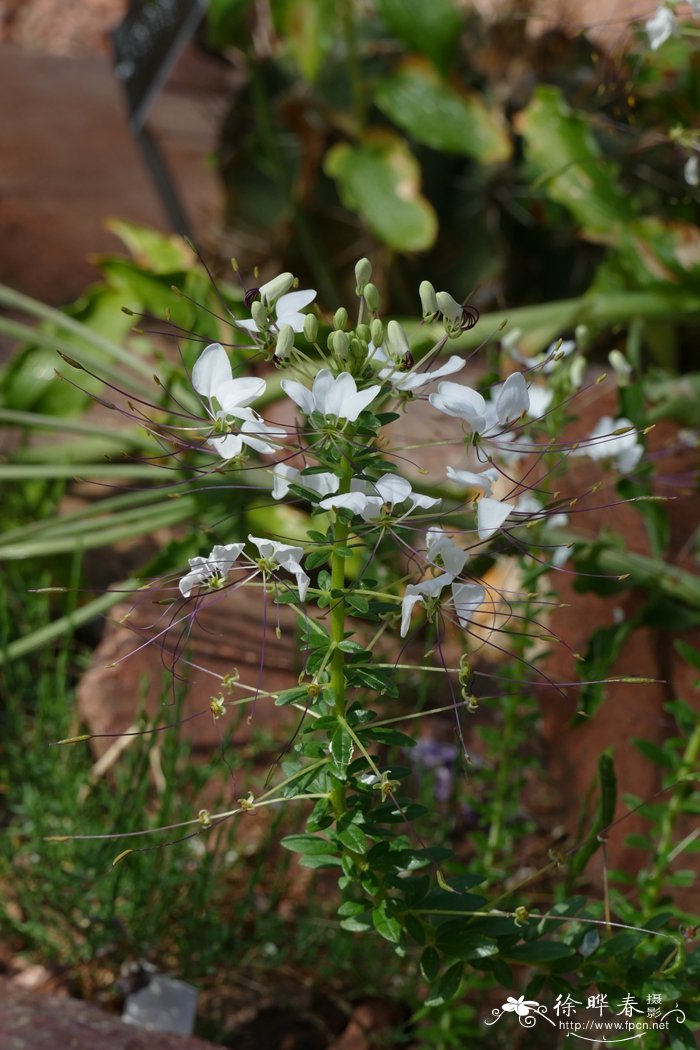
[
  {"x": 337, "y": 623},
  {"x": 357, "y": 83}
]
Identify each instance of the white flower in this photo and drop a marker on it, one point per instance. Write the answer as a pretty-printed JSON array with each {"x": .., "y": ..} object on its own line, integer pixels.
[
  {"x": 287, "y": 557},
  {"x": 228, "y": 398},
  {"x": 213, "y": 379},
  {"x": 284, "y": 476},
  {"x": 412, "y": 380},
  {"x": 691, "y": 170},
  {"x": 484, "y": 417},
  {"x": 482, "y": 479},
  {"x": 490, "y": 515},
  {"x": 660, "y": 27},
  {"x": 540, "y": 400},
  {"x": 210, "y": 573},
  {"x": 443, "y": 553},
  {"x": 419, "y": 592},
  {"x": 605, "y": 442},
  {"x": 367, "y": 498},
  {"x": 466, "y": 598},
  {"x": 287, "y": 308},
  {"x": 331, "y": 395}
]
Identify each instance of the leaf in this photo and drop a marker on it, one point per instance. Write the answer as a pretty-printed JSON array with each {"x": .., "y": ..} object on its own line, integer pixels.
[
  {"x": 448, "y": 986},
  {"x": 309, "y": 845},
  {"x": 430, "y": 964},
  {"x": 385, "y": 924},
  {"x": 154, "y": 251},
  {"x": 380, "y": 180},
  {"x": 442, "y": 117},
  {"x": 604, "y": 647},
  {"x": 341, "y": 749},
  {"x": 431, "y": 28},
  {"x": 454, "y": 939},
  {"x": 353, "y": 837},
  {"x": 689, "y": 653},
  {"x": 542, "y": 952},
  {"x": 559, "y": 144}
]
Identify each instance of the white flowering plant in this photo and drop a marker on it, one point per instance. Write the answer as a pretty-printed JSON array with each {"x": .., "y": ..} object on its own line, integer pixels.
[{"x": 392, "y": 549}]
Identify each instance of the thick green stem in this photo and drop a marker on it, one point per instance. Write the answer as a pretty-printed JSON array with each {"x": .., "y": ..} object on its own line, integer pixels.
[{"x": 338, "y": 615}]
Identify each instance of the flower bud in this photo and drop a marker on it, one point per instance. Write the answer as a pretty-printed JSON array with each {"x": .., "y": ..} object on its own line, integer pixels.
[
  {"x": 260, "y": 315},
  {"x": 450, "y": 309},
  {"x": 396, "y": 342},
  {"x": 270, "y": 292},
  {"x": 377, "y": 332},
  {"x": 310, "y": 327},
  {"x": 581, "y": 335},
  {"x": 428, "y": 301},
  {"x": 340, "y": 319},
  {"x": 620, "y": 366},
  {"x": 363, "y": 332},
  {"x": 371, "y": 294},
  {"x": 363, "y": 272},
  {"x": 340, "y": 343},
  {"x": 576, "y": 371},
  {"x": 285, "y": 342}
]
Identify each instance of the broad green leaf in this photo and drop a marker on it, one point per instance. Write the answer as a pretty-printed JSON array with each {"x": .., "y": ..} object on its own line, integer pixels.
[
  {"x": 385, "y": 924},
  {"x": 341, "y": 748},
  {"x": 455, "y": 939},
  {"x": 573, "y": 172},
  {"x": 442, "y": 117},
  {"x": 380, "y": 180},
  {"x": 431, "y": 27},
  {"x": 353, "y": 838}
]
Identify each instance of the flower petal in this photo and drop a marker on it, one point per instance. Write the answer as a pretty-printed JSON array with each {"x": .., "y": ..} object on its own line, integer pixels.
[
  {"x": 490, "y": 515},
  {"x": 456, "y": 400},
  {"x": 467, "y": 598},
  {"x": 299, "y": 394},
  {"x": 211, "y": 370},
  {"x": 513, "y": 399}
]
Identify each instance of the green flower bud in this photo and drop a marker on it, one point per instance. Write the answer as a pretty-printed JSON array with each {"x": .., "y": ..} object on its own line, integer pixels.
[
  {"x": 260, "y": 315},
  {"x": 310, "y": 327},
  {"x": 377, "y": 332},
  {"x": 340, "y": 318},
  {"x": 340, "y": 343},
  {"x": 363, "y": 272},
  {"x": 371, "y": 294},
  {"x": 270, "y": 292},
  {"x": 396, "y": 342},
  {"x": 576, "y": 372},
  {"x": 285, "y": 342},
  {"x": 363, "y": 332},
  {"x": 450, "y": 309},
  {"x": 428, "y": 301}
]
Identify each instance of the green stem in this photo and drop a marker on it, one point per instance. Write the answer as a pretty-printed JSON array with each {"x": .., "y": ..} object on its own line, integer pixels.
[
  {"x": 337, "y": 625},
  {"x": 671, "y": 812}
]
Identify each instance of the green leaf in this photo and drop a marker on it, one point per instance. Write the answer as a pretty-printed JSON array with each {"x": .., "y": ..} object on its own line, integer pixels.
[
  {"x": 295, "y": 695},
  {"x": 442, "y": 117},
  {"x": 448, "y": 985},
  {"x": 309, "y": 845},
  {"x": 689, "y": 653},
  {"x": 385, "y": 924},
  {"x": 154, "y": 251},
  {"x": 573, "y": 171},
  {"x": 454, "y": 939},
  {"x": 430, "y": 964},
  {"x": 380, "y": 180},
  {"x": 539, "y": 952},
  {"x": 341, "y": 749},
  {"x": 604, "y": 647},
  {"x": 352, "y": 837},
  {"x": 431, "y": 28}
]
